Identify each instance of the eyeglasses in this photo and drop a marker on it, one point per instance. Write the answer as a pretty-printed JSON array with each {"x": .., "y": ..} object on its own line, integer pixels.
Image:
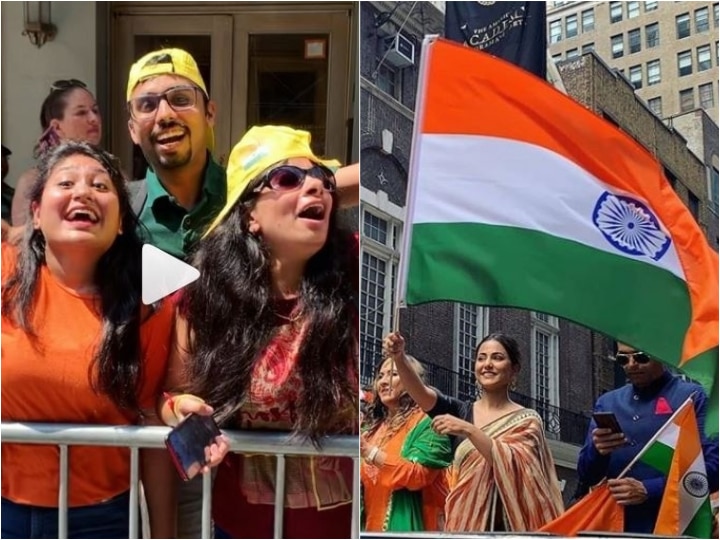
[
  {"x": 66, "y": 84},
  {"x": 624, "y": 358},
  {"x": 288, "y": 178},
  {"x": 180, "y": 98}
]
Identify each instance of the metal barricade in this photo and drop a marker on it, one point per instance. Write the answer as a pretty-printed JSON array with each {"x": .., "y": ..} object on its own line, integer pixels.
[{"x": 137, "y": 437}]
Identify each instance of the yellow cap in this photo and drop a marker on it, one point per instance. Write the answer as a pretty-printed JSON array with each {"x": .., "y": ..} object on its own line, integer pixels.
[
  {"x": 169, "y": 62},
  {"x": 258, "y": 150}
]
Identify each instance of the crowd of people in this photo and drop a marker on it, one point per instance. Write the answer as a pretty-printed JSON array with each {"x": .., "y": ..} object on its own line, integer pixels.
[
  {"x": 432, "y": 462},
  {"x": 266, "y": 339}
]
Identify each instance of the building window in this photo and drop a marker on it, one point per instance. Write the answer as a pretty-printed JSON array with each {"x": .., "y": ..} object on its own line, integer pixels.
[
  {"x": 650, "y": 6},
  {"x": 634, "y": 40},
  {"x": 702, "y": 20},
  {"x": 470, "y": 328},
  {"x": 635, "y": 76},
  {"x": 713, "y": 190},
  {"x": 572, "y": 53},
  {"x": 682, "y": 23},
  {"x": 388, "y": 80},
  {"x": 555, "y": 31},
  {"x": 707, "y": 99},
  {"x": 652, "y": 35},
  {"x": 588, "y": 47},
  {"x": 633, "y": 9},
  {"x": 653, "y": 72},
  {"x": 655, "y": 105},
  {"x": 694, "y": 205},
  {"x": 557, "y": 57},
  {"x": 571, "y": 28},
  {"x": 715, "y": 14},
  {"x": 684, "y": 63},
  {"x": 704, "y": 58},
  {"x": 687, "y": 100},
  {"x": 588, "y": 20},
  {"x": 616, "y": 45},
  {"x": 378, "y": 275},
  {"x": 544, "y": 359},
  {"x": 616, "y": 9}
]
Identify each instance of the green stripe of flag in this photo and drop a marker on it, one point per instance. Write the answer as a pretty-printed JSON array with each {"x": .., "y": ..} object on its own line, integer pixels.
[
  {"x": 701, "y": 524},
  {"x": 658, "y": 456},
  {"x": 509, "y": 266}
]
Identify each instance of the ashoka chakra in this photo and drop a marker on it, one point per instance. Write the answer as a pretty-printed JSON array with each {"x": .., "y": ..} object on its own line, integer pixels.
[
  {"x": 696, "y": 484},
  {"x": 630, "y": 226}
]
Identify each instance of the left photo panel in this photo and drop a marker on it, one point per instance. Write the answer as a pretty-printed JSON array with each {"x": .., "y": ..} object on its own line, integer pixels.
[{"x": 180, "y": 281}]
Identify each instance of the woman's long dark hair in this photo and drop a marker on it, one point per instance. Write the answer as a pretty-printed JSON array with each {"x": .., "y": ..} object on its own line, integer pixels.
[
  {"x": 116, "y": 368},
  {"x": 231, "y": 318}
]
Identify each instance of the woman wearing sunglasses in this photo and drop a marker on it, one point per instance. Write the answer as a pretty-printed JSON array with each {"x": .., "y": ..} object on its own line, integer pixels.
[
  {"x": 69, "y": 112},
  {"x": 267, "y": 336}
]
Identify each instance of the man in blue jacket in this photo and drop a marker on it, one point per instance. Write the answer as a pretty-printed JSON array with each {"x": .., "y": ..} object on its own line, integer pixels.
[{"x": 641, "y": 407}]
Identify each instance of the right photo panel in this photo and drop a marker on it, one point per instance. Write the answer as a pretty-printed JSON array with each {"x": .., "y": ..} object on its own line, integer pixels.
[{"x": 539, "y": 268}]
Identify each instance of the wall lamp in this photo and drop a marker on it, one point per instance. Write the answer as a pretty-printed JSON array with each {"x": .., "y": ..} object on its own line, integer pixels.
[{"x": 37, "y": 23}]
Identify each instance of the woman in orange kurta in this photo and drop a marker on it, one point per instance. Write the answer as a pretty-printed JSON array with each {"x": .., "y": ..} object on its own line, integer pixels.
[{"x": 402, "y": 475}]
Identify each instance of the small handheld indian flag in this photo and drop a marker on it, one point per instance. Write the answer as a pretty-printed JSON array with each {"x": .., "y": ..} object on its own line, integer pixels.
[
  {"x": 676, "y": 452},
  {"x": 519, "y": 196}
]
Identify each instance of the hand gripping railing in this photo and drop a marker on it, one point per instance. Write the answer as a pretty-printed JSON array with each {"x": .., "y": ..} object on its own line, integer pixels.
[{"x": 136, "y": 437}]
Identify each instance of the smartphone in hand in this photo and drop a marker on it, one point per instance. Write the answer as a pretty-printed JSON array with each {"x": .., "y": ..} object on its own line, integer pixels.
[
  {"x": 607, "y": 419},
  {"x": 187, "y": 441}
]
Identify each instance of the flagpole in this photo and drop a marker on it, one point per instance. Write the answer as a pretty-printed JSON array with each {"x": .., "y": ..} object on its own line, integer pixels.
[
  {"x": 689, "y": 400},
  {"x": 401, "y": 285}
]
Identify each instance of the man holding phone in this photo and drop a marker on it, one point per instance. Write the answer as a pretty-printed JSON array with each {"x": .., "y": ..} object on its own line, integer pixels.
[{"x": 639, "y": 409}]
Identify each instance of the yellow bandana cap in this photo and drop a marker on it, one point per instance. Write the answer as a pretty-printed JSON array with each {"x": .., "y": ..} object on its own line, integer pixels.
[{"x": 258, "y": 150}]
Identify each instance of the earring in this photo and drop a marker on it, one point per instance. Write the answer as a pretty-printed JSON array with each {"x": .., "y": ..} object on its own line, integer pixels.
[
  {"x": 513, "y": 385},
  {"x": 478, "y": 390}
]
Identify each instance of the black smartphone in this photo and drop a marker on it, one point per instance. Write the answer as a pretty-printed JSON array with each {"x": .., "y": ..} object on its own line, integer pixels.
[
  {"x": 606, "y": 419},
  {"x": 187, "y": 441}
]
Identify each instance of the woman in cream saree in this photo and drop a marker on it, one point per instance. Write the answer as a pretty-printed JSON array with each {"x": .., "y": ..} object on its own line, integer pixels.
[
  {"x": 517, "y": 491},
  {"x": 503, "y": 476}
]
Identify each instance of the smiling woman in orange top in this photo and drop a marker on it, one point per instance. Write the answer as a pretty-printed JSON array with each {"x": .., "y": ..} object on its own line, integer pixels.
[{"x": 78, "y": 348}]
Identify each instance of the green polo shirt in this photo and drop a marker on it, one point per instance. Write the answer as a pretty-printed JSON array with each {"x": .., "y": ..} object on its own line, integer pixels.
[{"x": 170, "y": 227}]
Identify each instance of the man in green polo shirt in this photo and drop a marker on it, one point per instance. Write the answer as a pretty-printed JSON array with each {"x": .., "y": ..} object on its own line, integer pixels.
[{"x": 172, "y": 119}]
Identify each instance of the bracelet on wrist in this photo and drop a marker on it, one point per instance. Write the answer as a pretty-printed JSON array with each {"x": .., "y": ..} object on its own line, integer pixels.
[{"x": 370, "y": 459}]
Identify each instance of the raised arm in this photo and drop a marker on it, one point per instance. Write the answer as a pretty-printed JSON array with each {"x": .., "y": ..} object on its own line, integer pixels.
[
  {"x": 424, "y": 396},
  {"x": 348, "y": 185}
]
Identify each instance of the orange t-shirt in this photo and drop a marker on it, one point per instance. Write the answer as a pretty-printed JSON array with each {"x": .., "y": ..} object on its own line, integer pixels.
[{"x": 50, "y": 383}]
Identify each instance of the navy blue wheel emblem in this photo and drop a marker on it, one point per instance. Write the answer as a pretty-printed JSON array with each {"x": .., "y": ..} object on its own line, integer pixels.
[
  {"x": 630, "y": 226},
  {"x": 696, "y": 484}
]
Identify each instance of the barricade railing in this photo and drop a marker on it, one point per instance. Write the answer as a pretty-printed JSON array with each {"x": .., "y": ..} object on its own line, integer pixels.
[{"x": 137, "y": 437}]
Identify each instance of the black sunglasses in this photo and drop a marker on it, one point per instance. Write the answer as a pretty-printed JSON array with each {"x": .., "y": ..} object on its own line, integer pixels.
[
  {"x": 65, "y": 84},
  {"x": 624, "y": 358},
  {"x": 288, "y": 178}
]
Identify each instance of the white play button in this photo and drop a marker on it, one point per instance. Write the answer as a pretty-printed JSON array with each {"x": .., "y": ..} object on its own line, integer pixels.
[{"x": 163, "y": 274}]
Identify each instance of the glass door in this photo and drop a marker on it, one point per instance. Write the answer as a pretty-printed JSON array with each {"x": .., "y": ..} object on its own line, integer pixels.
[{"x": 293, "y": 69}]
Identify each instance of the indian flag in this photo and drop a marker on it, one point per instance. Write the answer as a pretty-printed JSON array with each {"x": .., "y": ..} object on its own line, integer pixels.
[
  {"x": 521, "y": 197},
  {"x": 677, "y": 453}
]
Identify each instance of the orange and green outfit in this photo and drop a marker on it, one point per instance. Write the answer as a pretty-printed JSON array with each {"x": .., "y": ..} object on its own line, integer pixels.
[{"x": 406, "y": 493}]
